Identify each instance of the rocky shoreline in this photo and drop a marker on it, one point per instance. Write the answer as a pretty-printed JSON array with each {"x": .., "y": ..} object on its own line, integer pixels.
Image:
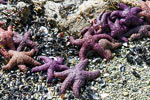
[{"x": 125, "y": 77}]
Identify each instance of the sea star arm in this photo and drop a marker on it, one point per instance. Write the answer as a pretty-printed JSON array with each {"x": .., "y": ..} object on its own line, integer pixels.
[
  {"x": 100, "y": 51},
  {"x": 45, "y": 59},
  {"x": 10, "y": 65},
  {"x": 144, "y": 5},
  {"x": 82, "y": 53},
  {"x": 4, "y": 53},
  {"x": 103, "y": 20},
  {"x": 76, "y": 86},
  {"x": 21, "y": 45},
  {"x": 43, "y": 67},
  {"x": 50, "y": 74},
  {"x": 122, "y": 6},
  {"x": 123, "y": 38},
  {"x": 62, "y": 75},
  {"x": 82, "y": 64},
  {"x": 62, "y": 67},
  {"x": 67, "y": 82},
  {"x": 84, "y": 30},
  {"x": 133, "y": 30},
  {"x": 140, "y": 34},
  {"x": 135, "y": 10},
  {"x": 23, "y": 68},
  {"x": 135, "y": 36},
  {"x": 77, "y": 41},
  {"x": 91, "y": 75},
  {"x": 59, "y": 60},
  {"x": 103, "y": 36},
  {"x": 148, "y": 3},
  {"x": 31, "y": 61},
  {"x": 30, "y": 53},
  {"x": 145, "y": 13},
  {"x": 115, "y": 14},
  {"x": 31, "y": 44},
  {"x": 9, "y": 29},
  {"x": 27, "y": 34},
  {"x": 99, "y": 17}
]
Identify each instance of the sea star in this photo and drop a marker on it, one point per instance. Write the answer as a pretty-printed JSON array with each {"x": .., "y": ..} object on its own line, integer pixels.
[
  {"x": 6, "y": 40},
  {"x": 146, "y": 10},
  {"x": 89, "y": 42},
  {"x": 76, "y": 76},
  {"x": 108, "y": 46},
  {"x": 4, "y": 53},
  {"x": 3, "y": 2},
  {"x": 117, "y": 30},
  {"x": 24, "y": 40},
  {"x": 128, "y": 16},
  {"x": 139, "y": 32},
  {"x": 101, "y": 21},
  {"x": 20, "y": 59},
  {"x": 51, "y": 66}
]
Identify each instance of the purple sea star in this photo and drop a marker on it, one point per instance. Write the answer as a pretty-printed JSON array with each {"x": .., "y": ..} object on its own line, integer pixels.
[
  {"x": 24, "y": 40},
  {"x": 139, "y": 32},
  {"x": 51, "y": 66},
  {"x": 101, "y": 21},
  {"x": 89, "y": 42},
  {"x": 117, "y": 30},
  {"x": 128, "y": 16},
  {"x": 76, "y": 76},
  {"x": 3, "y": 2}
]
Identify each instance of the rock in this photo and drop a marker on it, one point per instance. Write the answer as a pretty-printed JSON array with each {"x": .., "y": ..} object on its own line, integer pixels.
[
  {"x": 49, "y": 95},
  {"x": 104, "y": 95},
  {"x": 126, "y": 93},
  {"x": 21, "y": 5},
  {"x": 52, "y": 10},
  {"x": 79, "y": 17}
]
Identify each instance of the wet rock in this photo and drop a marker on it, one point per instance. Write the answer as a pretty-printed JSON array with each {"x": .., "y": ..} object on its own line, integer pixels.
[
  {"x": 104, "y": 95},
  {"x": 137, "y": 75},
  {"x": 122, "y": 68},
  {"x": 126, "y": 93}
]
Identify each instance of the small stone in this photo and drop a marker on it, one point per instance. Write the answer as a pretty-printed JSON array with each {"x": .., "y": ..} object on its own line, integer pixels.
[
  {"x": 137, "y": 75},
  {"x": 49, "y": 95},
  {"x": 122, "y": 69},
  {"x": 125, "y": 44},
  {"x": 126, "y": 93},
  {"x": 106, "y": 74},
  {"x": 95, "y": 97},
  {"x": 134, "y": 89},
  {"x": 104, "y": 95}
]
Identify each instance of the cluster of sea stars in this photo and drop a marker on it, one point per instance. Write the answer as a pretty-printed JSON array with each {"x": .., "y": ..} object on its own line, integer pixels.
[
  {"x": 118, "y": 24},
  {"x": 97, "y": 37},
  {"x": 10, "y": 40}
]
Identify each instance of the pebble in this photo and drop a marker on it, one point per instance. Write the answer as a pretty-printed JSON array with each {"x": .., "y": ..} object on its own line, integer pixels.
[
  {"x": 49, "y": 95},
  {"x": 126, "y": 93},
  {"x": 104, "y": 95}
]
